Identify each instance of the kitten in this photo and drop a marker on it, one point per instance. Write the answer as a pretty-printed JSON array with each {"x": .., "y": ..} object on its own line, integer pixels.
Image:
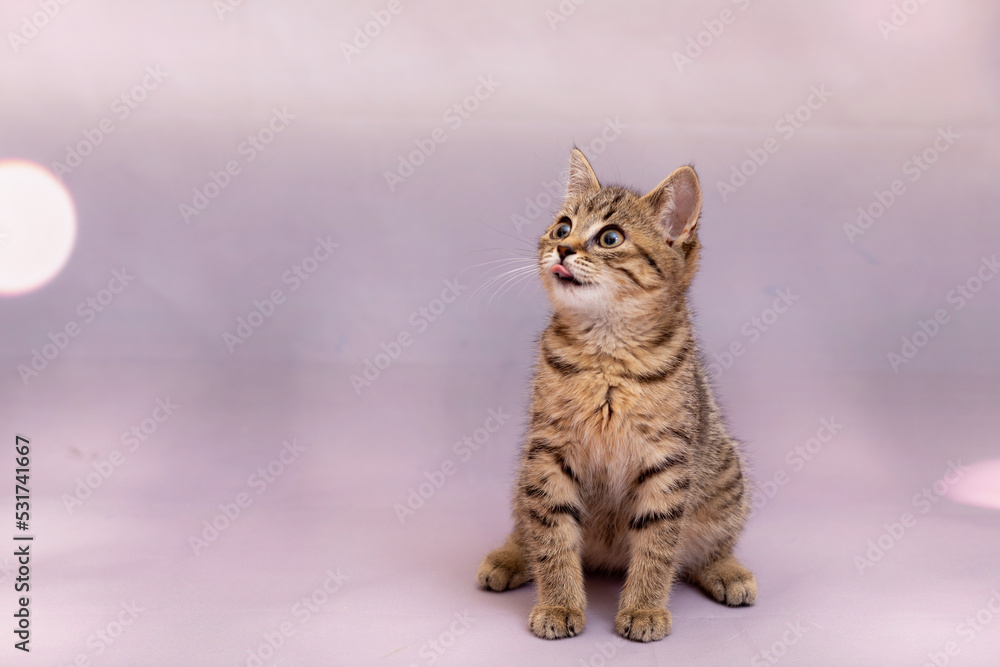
[{"x": 626, "y": 465}]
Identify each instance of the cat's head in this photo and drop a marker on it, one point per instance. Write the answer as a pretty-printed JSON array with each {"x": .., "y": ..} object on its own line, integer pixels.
[{"x": 611, "y": 248}]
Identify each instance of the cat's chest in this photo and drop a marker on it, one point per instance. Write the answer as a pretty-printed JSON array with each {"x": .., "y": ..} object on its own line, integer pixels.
[
  {"x": 610, "y": 421},
  {"x": 606, "y": 444},
  {"x": 604, "y": 409}
]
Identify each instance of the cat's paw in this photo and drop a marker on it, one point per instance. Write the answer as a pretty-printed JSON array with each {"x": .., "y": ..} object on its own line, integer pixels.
[
  {"x": 735, "y": 592},
  {"x": 501, "y": 570},
  {"x": 550, "y": 622},
  {"x": 643, "y": 625},
  {"x": 729, "y": 583}
]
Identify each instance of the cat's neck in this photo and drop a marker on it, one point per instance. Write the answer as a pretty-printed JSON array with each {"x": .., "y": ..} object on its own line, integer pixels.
[{"x": 619, "y": 332}]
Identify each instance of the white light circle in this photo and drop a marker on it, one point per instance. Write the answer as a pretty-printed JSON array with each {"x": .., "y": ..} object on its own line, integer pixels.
[
  {"x": 37, "y": 226},
  {"x": 978, "y": 484}
]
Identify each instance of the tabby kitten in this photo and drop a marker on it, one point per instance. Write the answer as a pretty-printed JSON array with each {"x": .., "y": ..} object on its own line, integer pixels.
[{"x": 626, "y": 465}]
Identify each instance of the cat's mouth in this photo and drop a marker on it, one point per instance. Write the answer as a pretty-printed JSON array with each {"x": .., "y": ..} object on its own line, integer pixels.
[{"x": 564, "y": 276}]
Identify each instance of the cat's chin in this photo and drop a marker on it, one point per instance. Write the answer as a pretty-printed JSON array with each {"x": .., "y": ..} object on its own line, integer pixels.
[
  {"x": 578, "y": 297},
  {"x": 568, "y": 283}
]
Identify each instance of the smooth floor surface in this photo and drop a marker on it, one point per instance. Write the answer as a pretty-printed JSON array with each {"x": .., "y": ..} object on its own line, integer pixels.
[{"x": 352, "y": 545}]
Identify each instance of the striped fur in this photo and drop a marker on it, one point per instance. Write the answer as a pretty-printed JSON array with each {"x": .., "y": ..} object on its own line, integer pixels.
[{"x": 627, "y": 465}]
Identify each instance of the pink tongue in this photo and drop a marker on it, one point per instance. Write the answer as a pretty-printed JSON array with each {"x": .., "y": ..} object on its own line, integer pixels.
[{"x": 561, "y": 271}]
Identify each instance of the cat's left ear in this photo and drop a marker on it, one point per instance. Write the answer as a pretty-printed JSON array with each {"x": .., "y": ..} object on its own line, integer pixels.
[
  {"x": 677, "y": 202},
  {"x": 582, "y": 179}
]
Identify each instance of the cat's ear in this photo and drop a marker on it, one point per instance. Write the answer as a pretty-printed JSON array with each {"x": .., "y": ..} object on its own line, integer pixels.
[
  {"x": 677, "y": 203},
  {"x": 582, "y": 179}
]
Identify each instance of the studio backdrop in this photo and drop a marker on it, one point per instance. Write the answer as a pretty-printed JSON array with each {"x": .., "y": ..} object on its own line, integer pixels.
[{"x": 270, "y": 305}]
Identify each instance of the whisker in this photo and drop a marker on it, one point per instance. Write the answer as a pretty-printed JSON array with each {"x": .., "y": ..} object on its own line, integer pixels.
[
  {"x": 501, "y": 270},
  {"x": 497, "y": 282},
  {"x": 500, "y": 291},
  {"x": 517, "y": 237},
  {"x": 508, "y": 260},
  {"x": 500, "y": 263},
  {"x": 525, "y": 286},
  {"x": 503, "y": 276},
  {"x": 470, "y": 252},
  {"x": 509, "y": 285},
  {"x": 490, "y": 280}
]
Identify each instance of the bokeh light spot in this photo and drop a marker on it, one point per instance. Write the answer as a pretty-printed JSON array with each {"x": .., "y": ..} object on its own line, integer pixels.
[
  {"x": 37, "y": 226},
  {"x": 979, "y": 485}
]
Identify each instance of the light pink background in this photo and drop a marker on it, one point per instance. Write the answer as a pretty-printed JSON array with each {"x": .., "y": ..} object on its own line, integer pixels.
[{"x": 366, "y": 451}]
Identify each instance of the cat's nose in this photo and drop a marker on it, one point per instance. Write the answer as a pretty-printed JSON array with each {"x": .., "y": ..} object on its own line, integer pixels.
[{"x": 564, "y": 251}]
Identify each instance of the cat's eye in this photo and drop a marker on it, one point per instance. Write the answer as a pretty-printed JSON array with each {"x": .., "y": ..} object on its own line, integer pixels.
[
  {"x": 610, "y": 238},
  {"x": 562, "y": 231}
]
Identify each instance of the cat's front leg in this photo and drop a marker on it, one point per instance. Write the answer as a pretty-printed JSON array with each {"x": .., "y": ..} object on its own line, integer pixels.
[
  {"x": 548, "y": 515},
  {"x": 655, "y": 529}
]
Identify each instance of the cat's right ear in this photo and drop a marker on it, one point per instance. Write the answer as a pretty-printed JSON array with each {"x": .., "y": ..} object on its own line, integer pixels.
[
  {"x": 677, "y": 203},
  {"x": 582, "y": 179}
]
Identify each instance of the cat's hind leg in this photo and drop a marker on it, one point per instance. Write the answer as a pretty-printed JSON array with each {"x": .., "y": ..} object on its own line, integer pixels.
[
  {"x": 503, "y": 568},
  {"x": 727, "y": 581},
  {"x": 716, "y": 571},
  {"x": 713, "y": 530}
]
